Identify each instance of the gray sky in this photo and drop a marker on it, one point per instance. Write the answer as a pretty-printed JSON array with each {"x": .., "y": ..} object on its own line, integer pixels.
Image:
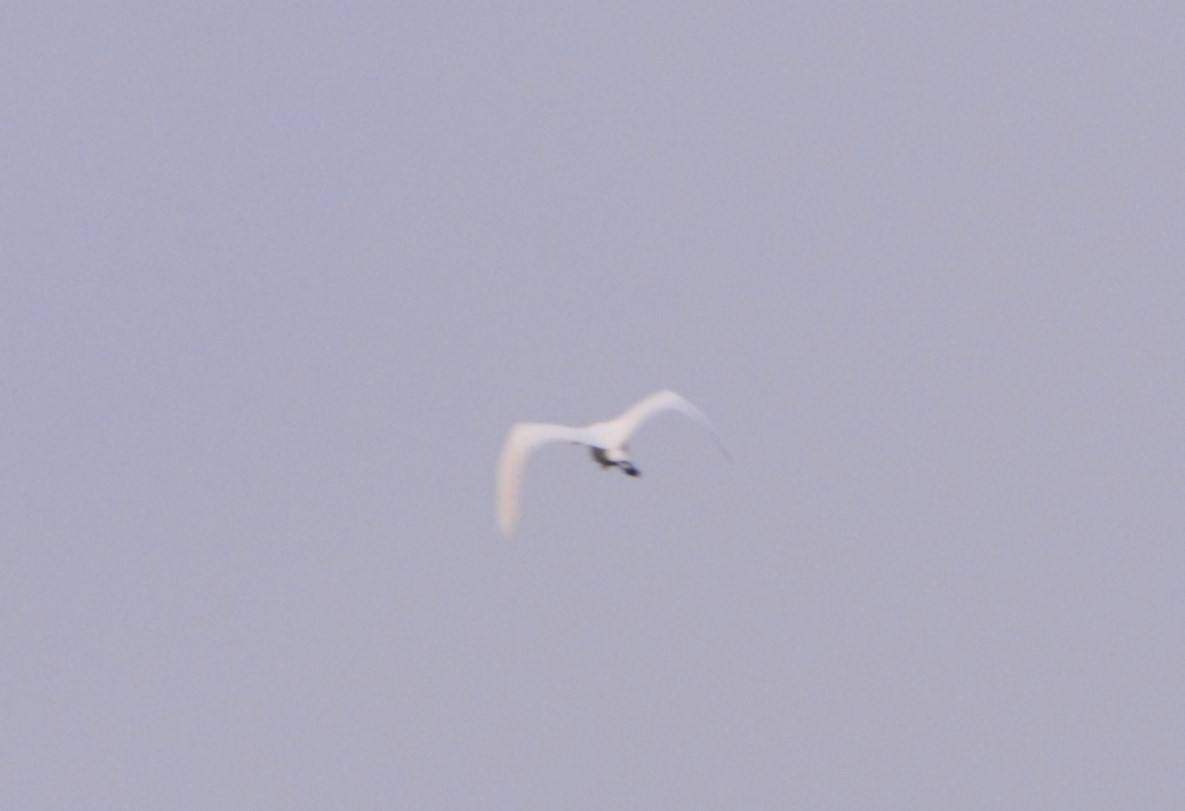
[{"x": 278, "y": 279}]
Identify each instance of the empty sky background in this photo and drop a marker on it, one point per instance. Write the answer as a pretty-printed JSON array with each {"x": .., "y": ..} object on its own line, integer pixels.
[{"x": 275, "y": 279}]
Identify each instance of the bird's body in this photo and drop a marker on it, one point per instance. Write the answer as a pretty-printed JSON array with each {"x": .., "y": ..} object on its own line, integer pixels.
[{"x": 607, "y": 440}]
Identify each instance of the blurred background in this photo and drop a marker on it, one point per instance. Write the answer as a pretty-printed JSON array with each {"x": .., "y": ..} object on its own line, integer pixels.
[{"x": 278, "y": 279}]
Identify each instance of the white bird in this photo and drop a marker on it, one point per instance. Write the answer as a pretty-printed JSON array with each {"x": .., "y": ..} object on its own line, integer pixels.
[{"x": 606, "y": 439}]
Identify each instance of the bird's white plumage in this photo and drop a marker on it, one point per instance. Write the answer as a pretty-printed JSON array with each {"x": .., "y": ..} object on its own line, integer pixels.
[{"x": 610, "y": 435}]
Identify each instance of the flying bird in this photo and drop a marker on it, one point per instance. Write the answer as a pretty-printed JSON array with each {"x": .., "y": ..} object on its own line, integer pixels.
[{"x": 607, "y": 441}]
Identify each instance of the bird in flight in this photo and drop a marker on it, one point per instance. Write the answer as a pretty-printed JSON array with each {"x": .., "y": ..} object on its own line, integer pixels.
[{"x": 607, "y": 441}]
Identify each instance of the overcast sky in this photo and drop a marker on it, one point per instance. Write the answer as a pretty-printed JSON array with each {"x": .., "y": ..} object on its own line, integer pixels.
[{"x": 275, "y": 280}]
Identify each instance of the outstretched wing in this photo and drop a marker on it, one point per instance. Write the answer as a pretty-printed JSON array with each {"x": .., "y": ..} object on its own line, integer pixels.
[
  {"x": 523, "y": 438},
  {"x": 656, "y": 403}
]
